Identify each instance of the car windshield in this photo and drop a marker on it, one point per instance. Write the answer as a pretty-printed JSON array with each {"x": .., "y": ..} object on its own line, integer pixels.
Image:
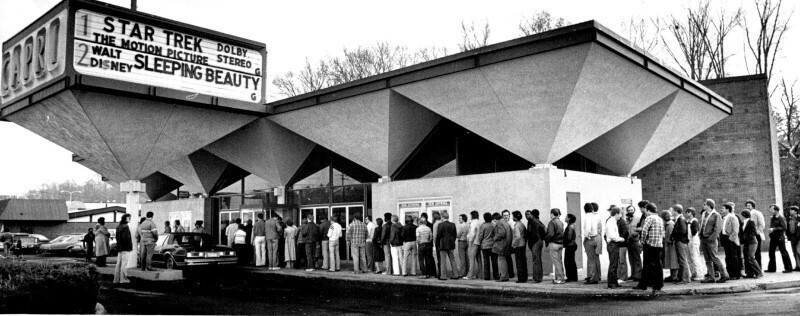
[
  {"x": 202, "y": 241},
  {"x": 59, "y": 239},
  {"x": 41, "y": 238},
  {"x": 28, "y": 240}
]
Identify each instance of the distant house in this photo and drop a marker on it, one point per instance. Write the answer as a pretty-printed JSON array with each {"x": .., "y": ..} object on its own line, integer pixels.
[
  {"x": 51, "y": 218},
  {"x": 111, "y": 214}
]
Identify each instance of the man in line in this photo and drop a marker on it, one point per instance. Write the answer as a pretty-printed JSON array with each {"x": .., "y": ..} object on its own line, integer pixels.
[
  {"x": 710, "y": 228},
  {"x": 424, "y": 236},
  {"x": 535, "y": 233},
  {"x": 777, "y": 227},
  {"x": 592, "y": 228},
  {"x": 634, "y": 243},
  {"x": 652, "y": 245},
  {"x": 309, "y": 235},
  {"x": 503, "y": 235},
  {"x": 333, "y": 234},
  {"x": 793, "y": 233},
  {"x": 518, "y": 246},
  {"x": 758, "y": 219},
  {"x": 437, "y": 219},
  {"x": 462, "y": 231},
  {"x": 748, "y": 240},
  {"x": 474, "y": 251},
  {"x": 370, "y": 235},
  {"x": 386, "y": 233},
  {"x": 272, "y": 233},
  {"x": 485, "y": 240},
  {"x": 446, "y": 243},
  {"x": 730, "y": 241},
  {"x": 554, "y": 237},
  {"x": 230, "y": 232},
  {"x": 324, "y": 227},
  {"x": 613, "y": 239},
  {"x": 396, "y": 241},
  {"x": 509, "y": 260},
  {"x": 680, "y": 238},
  {"x": 409, "y": 237},
  {"x": 147, "y": 234},
  {"x": 259, "y": 241},
  {"x": 357, "y": 238},
  {"x": 697, "y": 266}
]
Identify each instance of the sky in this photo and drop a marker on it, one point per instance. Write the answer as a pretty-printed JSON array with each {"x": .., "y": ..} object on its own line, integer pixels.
[{"x": 296, "y": 30}]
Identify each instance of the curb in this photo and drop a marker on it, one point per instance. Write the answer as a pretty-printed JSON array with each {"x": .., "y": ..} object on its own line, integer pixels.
[{"x": 498, "y": 288}]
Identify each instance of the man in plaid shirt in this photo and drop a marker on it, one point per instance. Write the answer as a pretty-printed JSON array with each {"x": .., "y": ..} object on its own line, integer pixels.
[
  {"x": 357, "y": 237},
  {"x": 653, "y": 244}
]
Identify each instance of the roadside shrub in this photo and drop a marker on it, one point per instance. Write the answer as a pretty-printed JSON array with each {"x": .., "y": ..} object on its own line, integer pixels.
[{"x": 48, "y": 288}]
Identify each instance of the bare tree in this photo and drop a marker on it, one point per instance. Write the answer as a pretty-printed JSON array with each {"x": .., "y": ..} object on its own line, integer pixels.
[
  {"x": 540, "y": 21},
  {"x": 789, "y": 121},
  {"x": 691, "y": 34},
  {"x": 715, "y": 42},
  {"x": 472, "y": 38},
  {"x": 643, "y": 34},
  {"x": 429, "y": 53},
  {"x": 309, "y": 79},
  {"x": 764, "y": 36}
]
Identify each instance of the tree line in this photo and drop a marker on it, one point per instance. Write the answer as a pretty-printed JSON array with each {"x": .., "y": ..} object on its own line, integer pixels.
[{"x": 90, "y": 191}]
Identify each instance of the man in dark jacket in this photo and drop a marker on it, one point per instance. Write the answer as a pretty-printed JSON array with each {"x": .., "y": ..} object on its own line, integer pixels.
[
  {"x": 536, "y": 233},
  {"x": 387, "y": 248},
  {"x": 793, "y": 233},
  {"x": 309, "y": 235},
  {"x": 445, "y": 244},
  {"x": 680, "y": 238},
  {"x": 326, "y": 255},
  {"x": 502, "y": 245},
  {"x": 777, "y": 228},
  {"x": 396, "y": 241},
  {"x": 485, "y": 239},
  {"x": 124, "y": 248}
]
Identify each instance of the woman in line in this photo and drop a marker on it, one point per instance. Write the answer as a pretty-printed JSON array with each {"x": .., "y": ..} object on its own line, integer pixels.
[
  {"x": 101, "y": 242},
  {"x": 570, "y": 246},
  {"x": 377, "y": 247},
  {"x": 670, "y": 256},
  {"x": 290, "y": 248}
]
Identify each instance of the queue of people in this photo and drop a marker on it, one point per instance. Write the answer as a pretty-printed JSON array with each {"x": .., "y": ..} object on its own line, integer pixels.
[{"x": 640, "y": 244}]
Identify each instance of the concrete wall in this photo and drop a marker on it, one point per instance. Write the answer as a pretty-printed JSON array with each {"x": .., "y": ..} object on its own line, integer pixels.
[
  {"x": 200, "y": 209},
  {"x": 538, "y": 188}
]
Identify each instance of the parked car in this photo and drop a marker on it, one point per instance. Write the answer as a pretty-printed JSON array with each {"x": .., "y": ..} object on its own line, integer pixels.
[
  {"x": 30, "y": 244},
  {"x": 64, "y": 244},
  {"x": 191, "y": 249}
]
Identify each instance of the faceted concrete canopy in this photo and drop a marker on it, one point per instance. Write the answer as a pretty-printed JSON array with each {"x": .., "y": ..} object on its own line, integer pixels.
[
  {"x": 376, "y": 130},
  {"x": 125, "y": 138},
  {"x": 264, "y": 149}
]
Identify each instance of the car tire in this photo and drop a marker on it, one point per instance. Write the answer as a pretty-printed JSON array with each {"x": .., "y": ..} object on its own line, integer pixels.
[{"x": 170, "y": 263}]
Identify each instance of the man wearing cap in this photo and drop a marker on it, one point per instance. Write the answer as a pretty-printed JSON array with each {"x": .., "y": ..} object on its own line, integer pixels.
[{"x": 710, "y": 228}]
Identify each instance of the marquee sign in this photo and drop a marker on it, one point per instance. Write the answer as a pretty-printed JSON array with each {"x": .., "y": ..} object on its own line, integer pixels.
[
  {"x": 35, "y": 59},
  {"x": 97, "y": 45},
  {"x": 118, "y": 48}
]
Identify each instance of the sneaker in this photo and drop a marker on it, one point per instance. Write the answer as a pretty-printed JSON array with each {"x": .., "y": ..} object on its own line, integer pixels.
[
  {"x": 309, "y": 270},
  {"x": 620, "y": 281},
  {"x": 276, "y": 268},
  {"x": 558, "y": 282}
]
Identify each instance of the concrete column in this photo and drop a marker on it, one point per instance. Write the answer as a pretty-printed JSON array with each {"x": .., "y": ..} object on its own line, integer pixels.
[
  {"x": 280, "y": 194},
  {"x": 135, "y": 196}
]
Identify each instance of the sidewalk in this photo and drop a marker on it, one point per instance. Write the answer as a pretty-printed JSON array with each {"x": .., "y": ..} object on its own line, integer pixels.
[{"x": 770, "y": 281}]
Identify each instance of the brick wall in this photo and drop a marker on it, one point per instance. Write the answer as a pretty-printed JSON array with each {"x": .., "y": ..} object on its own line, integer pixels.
[{"x": 734, "y": 160}]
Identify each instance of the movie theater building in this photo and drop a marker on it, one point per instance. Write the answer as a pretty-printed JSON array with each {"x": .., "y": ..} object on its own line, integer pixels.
[{"x": 552, "y": 120}]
